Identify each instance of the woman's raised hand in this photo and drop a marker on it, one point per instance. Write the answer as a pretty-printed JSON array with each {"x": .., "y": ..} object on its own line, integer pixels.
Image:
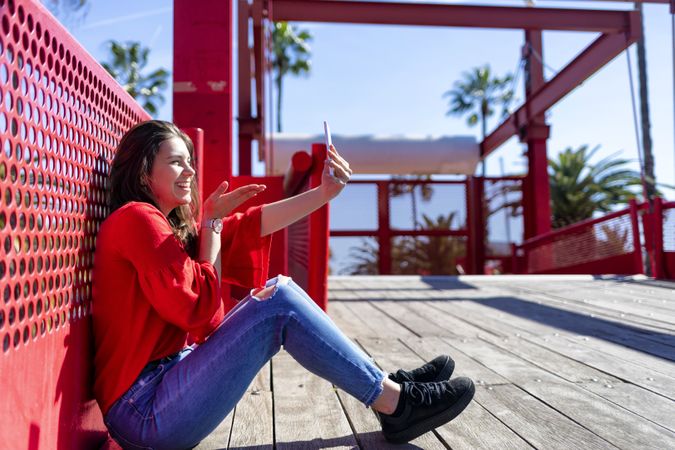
[
  {"x": 221, "y": 203},
  {"x": 333, "y": 185}
]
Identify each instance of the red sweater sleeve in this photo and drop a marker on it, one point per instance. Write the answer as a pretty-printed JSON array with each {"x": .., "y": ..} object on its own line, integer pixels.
[
  {"x": 245, "y": 254},
  {"x": 183, "y": 291}
]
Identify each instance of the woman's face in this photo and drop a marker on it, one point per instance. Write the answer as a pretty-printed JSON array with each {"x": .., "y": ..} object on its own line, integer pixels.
[{"x": 171, "y": 175}]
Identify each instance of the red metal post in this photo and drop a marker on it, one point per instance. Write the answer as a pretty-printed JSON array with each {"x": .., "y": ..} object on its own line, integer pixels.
[
  {"x": 537, "y": 208},
  {"x": 202, "y": 82},
  {"x": 247, "y": 125},
  {"x": 318, "y": 236},
  {"x": 383, "y": 224},
  {"x": 657, "y": 224},
  {"x": 476, "y": 226},
  {"x": 515, "y": 268},
  {"x": 470, "y": 228},
  {"x": 635, "y": 228}
]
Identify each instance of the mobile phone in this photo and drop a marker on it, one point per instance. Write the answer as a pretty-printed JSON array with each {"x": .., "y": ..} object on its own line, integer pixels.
[{"x": 326, "y": 134}]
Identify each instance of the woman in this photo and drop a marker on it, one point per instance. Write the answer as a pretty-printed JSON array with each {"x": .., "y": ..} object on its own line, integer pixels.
[{"x": 156, "y": 289}]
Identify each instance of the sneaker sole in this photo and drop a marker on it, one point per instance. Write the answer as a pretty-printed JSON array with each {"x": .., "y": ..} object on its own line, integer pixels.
[{"x": 433, "y": 422}]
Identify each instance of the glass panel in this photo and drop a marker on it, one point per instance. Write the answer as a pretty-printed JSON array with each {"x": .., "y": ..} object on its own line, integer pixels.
[
  {"x": 355, "y": 208},
  {"x": 426, "y": 205},
  {"x": 505, "y": 219},
  {"x": 353, "y": 256}
]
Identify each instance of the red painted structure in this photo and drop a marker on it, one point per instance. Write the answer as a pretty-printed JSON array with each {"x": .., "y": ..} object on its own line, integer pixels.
[
  {"x": 618, "y": 30},
  {"x": 614, "y": 244},
  {"x": 60, "y": 120},
  {"x": 62, "y": 116}
]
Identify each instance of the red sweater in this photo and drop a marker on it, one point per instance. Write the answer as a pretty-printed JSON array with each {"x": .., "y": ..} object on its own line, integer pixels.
[{"x": 148, "y": 294}]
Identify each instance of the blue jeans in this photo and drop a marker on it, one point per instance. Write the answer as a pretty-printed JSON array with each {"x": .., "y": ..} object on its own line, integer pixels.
[{"x": 179, "y": 400}]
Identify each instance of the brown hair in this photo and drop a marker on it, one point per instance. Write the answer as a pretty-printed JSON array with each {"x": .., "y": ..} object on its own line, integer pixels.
[{"x": 130, "y": 170}]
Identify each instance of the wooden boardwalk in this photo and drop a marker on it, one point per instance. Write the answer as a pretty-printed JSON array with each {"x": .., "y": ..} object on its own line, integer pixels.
[{"x": 563, "y": 362}]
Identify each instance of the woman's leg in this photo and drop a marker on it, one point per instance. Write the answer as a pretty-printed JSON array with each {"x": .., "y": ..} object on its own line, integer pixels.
[{"x": 196, "y": 394}]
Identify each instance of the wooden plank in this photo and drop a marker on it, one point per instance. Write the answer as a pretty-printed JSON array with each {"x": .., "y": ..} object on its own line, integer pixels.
[
  {"x": 512, "y": 309},
  {"x": 650, "y": 297},
  {"x": 554, "y": 363},
  {"x": 456, "y": 326},
  {"x": 628, "y": 354},
  {"x": 401, "y": 311},
  {"x": 609, "y": 364},
  {"x": 351, "y": 324},
  {"x": 480, "y": 429},
  {"x": 491, "y": 320},
  {"x": 625, "y": 370},
  {"x": 651, "y": 406},
  {"x": 307, "y": 414},
  {"x": 220, "y": 437},
  {"x": 534, "y": 421},
  {"x": 609, "y": 421},
  {"x": 253, "y": 424},
  {"x": 379, "y": 323},
  {"x": 627, "y": 312}
]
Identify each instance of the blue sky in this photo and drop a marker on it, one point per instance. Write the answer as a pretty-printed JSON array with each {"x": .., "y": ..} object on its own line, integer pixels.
[{"x": 390, "y": 79}]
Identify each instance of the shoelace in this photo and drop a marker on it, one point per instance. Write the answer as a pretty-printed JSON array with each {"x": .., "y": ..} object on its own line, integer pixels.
[
  {"x": 410, "y": 376},
  {"x": 426, "y": 393}
]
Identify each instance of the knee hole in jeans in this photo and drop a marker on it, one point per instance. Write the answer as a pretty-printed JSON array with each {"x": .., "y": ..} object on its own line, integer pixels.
[{"x": 266, "y": 293}]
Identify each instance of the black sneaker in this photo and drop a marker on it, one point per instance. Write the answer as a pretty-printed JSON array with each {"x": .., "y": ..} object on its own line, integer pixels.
[
  {"x": 426, "y": 406},
  {"x": 438, "y": 369}
]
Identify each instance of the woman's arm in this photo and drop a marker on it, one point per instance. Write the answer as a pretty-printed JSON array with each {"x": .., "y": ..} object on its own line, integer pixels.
[
  {"x": 279, "y": 215},
  {"x": 209, "y": 247}
]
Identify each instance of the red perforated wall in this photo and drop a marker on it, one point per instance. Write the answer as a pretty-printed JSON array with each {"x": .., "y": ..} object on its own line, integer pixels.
[{"x": 61, "y": 116}]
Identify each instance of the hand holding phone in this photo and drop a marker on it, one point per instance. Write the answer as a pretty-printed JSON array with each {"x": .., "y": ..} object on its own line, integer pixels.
[{"x": 329, "y": 142}]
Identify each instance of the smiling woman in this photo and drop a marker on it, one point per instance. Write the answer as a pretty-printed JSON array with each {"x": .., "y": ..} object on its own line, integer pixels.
[{"x": 169, "y": 363}]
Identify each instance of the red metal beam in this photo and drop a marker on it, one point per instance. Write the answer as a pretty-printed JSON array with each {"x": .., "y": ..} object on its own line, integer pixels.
[
  {"x": 594, "y": 57},
  {"x": 665, "y": 2},
  {"x": 423, "y": 14},
  {"x": 247, "y": 123}
]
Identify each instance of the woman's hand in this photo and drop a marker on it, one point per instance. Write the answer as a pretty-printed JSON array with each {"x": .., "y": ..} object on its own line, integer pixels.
[
  {"x": 220, "y": 204},
  {"x": 330, "y": 185}
]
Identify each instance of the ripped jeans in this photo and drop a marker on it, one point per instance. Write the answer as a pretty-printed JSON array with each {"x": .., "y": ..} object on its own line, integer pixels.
[{"x": 179, "y": 400}]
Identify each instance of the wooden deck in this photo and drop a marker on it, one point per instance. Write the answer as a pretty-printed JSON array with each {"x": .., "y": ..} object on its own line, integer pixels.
[{"x": 558, "y": 362}]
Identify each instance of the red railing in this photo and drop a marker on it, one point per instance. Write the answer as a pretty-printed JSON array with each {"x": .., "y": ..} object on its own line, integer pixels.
[
  {"x": 385, "y": 233},
  {"x": 605, "y": 245},
  {"x": 61, "y": 116},
  {"x": 667, "y": 248},
  {"x": 308, "y": 237}
]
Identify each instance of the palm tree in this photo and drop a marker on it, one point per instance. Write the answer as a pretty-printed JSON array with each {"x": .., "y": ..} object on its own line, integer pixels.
[
  {"x": 579, "y": 188},
  {"x": 437, "y": 255},
  {"x": 412, "y": 255},
  {"x": 291, "y": 53},
  {"x": 479, "y": 93},
  {"x": 126, "y": 64},
  {"x": 399, "y": 189}
]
